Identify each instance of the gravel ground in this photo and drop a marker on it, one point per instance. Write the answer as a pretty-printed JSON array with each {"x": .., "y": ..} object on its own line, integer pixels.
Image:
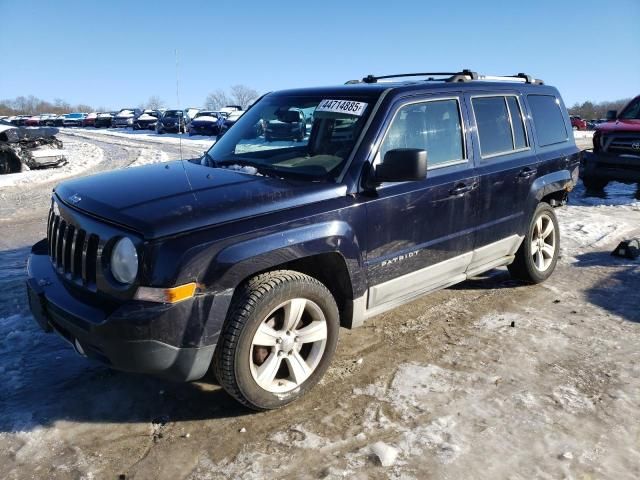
[{"x": 488, "y": 379}]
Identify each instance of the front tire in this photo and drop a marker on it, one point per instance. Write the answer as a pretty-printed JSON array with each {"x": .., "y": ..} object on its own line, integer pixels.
[
  {"x": 278, "y": 340},
  {"x": 538, "y": 255}
]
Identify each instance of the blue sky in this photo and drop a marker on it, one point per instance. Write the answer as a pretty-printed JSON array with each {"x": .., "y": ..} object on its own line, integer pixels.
[{"x": 119, "y": 53}]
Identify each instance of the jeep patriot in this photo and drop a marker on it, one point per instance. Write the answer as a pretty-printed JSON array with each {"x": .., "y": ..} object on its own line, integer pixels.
[{"x": 247, "y": 261}]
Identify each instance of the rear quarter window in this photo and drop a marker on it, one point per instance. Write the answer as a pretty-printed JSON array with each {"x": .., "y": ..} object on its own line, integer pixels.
[{"x": 548, "y": 119}]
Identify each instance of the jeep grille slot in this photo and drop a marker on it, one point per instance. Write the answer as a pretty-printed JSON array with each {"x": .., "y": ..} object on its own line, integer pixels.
[{"x": 73, "y": 251}]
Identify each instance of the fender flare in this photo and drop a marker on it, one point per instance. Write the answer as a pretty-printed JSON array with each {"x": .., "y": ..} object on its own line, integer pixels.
[
  {"x": 241, "y": 260},
  {"x": 551, "y": 183}
]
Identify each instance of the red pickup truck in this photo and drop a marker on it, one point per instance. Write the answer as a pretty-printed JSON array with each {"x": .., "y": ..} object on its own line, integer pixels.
[
  {"x": 616, "y": 149},
  {"x": 578, "y": 123}
]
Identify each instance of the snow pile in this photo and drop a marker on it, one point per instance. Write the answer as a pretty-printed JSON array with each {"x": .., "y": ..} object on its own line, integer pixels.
[
  {"x": 150, "y": 155},
  {"x": 146, "y": 116},
  {"x": 80, "y": 155},
  {"x": 582, "y": 134}
]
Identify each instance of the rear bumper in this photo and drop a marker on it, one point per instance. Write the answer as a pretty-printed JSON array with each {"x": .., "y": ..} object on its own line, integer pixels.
[
  {"x": 138, "y": 337},
  {"x": 605, "y": 166}
]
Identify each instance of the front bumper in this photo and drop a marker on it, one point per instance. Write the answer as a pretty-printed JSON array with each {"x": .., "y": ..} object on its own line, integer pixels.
[
  {"x": 170, "y": 128},
  {"x": 611, "y": 167},
  {"x": 138, "y": 337}
]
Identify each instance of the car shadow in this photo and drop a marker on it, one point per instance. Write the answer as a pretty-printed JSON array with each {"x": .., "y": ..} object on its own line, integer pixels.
[
  {"x": 618, "y": 292},
  {"x": 43, "y": 380},
  {"x": 492, "y": 280}
]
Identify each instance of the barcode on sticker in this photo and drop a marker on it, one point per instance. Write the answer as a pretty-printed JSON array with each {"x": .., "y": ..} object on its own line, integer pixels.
[{"x": 348, "y": 107}]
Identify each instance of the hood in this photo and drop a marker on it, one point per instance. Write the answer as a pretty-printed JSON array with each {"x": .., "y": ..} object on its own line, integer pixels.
[
  {"x": 168, "y": 198},
  {"x": 619, "y": 126},
  {"x": 205, "y": 119}
]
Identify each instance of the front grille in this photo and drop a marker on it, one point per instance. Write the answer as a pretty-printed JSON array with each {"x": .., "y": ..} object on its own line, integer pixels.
[
  {"x": 621, "y": 143},
  {"x": 73, "y": 251}
]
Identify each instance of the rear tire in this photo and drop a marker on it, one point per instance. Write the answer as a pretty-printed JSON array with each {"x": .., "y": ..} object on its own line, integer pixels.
[
  {"x": 278, "y": 340},
  {"x": 538, "y": 254}
]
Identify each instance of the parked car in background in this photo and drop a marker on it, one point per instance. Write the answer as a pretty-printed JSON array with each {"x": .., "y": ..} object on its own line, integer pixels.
[
  {"x": 173, "y": 121},
  {"x": 578, "y": 123},
  {"x": 74, "y": 120},
  {"x": 147, "y": 120},
  {"x": 616, "y": 149},
  {"x": 288, "y": 125},
  {"x": 58, "y": 120},
  {"x": 232, "y": 118},
  {"x": 104, "y": 119},
  {"x": 33, "y": 121},
  {"x": 206, "y": 122},
  {"x": 19, "y": 120},
  {"x": 124, "y": 118},
  {"x": 90, "y": 120}
]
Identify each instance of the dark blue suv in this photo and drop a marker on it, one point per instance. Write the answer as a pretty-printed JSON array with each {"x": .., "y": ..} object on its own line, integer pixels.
[{"x": 248, "y": 260}]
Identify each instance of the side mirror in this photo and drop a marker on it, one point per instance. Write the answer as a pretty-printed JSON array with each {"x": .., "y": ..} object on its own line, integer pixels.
[
  {"x": 612, "y": 115},
  {"x": 402, "y": 165}
]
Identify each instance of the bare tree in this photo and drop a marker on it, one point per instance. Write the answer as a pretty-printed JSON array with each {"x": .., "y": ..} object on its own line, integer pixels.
[
  {"x": 155, "y": 103},
  {"x": 216, "y": 100},
  {"x": 243, "y": 95}
]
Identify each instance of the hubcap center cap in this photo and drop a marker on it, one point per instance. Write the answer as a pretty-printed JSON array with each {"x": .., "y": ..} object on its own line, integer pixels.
[{"x": 287, "y": 343}]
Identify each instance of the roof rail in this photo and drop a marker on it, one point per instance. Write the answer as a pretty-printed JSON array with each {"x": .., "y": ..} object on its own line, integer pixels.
[{"x": 465, "y": 75}]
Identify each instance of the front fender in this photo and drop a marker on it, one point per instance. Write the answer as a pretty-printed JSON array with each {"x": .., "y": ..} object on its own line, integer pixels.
[{"x": 235, "y": 263}]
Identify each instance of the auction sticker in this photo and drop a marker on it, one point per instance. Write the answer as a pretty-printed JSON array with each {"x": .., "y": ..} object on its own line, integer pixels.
[{"x": 348, "y": 107}]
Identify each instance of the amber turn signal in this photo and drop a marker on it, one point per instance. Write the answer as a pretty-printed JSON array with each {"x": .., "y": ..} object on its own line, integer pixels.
[{"x": 166, "y": 295}]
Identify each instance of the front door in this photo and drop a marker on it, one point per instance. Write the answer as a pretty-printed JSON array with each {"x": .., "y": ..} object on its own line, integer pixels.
[{"x": 420, "y": 234}]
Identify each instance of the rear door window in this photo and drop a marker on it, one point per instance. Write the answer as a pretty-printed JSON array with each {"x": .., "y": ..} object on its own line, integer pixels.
[
  {"x": 548, "y": 120},
  {"x": 500, "y": 126},
  {"x": 434, "y": 126}
]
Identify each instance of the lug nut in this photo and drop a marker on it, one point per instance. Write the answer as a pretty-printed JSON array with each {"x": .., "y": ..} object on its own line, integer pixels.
[
  {"x": 297, "y": 339},
  {"x": 280, "y": 353},
  {"x": 278, "y": 340}
]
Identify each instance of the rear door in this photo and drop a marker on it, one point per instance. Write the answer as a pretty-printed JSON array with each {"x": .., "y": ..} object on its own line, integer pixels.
[
  {"x": 420, "y": 234},
  {"x": 507, "y": 166}
]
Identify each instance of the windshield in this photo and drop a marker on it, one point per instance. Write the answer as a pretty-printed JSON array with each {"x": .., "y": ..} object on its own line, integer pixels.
[
  {"x": 632, "y": 112},
  {"x": 173, "y": 113},
  {"x": 306, "y": 137}
]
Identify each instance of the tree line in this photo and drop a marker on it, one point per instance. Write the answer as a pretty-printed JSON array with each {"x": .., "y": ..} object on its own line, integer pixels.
[
  {"x": 31, "y": 105},
  {"x": 595, "y": 110}
]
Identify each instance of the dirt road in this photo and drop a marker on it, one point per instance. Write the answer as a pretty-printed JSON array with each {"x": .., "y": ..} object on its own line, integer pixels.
[{"x": 489, "y": 379}]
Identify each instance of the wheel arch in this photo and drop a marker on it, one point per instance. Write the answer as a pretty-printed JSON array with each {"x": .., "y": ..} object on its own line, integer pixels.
[{"x": 327, "y": 251}]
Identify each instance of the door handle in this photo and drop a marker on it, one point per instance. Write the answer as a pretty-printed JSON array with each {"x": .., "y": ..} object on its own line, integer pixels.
[
  {"x": 462, "y": 189},
  {"x": 527, "y": 172}
]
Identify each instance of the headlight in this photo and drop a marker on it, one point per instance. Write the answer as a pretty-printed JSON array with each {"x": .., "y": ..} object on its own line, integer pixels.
[
  {"x": 124, "y": 261},
  {"x": 130, "y": 121}
]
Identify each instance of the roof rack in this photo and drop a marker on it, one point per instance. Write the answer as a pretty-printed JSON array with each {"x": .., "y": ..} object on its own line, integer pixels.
[{"x": 465, "y": 75}]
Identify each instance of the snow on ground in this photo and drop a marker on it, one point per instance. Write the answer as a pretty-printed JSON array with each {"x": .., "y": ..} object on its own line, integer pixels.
[
  {"x": 146, "y": 135},
  {"x": 80, "y": 155},
  {"x": 583, "y": 134}
]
